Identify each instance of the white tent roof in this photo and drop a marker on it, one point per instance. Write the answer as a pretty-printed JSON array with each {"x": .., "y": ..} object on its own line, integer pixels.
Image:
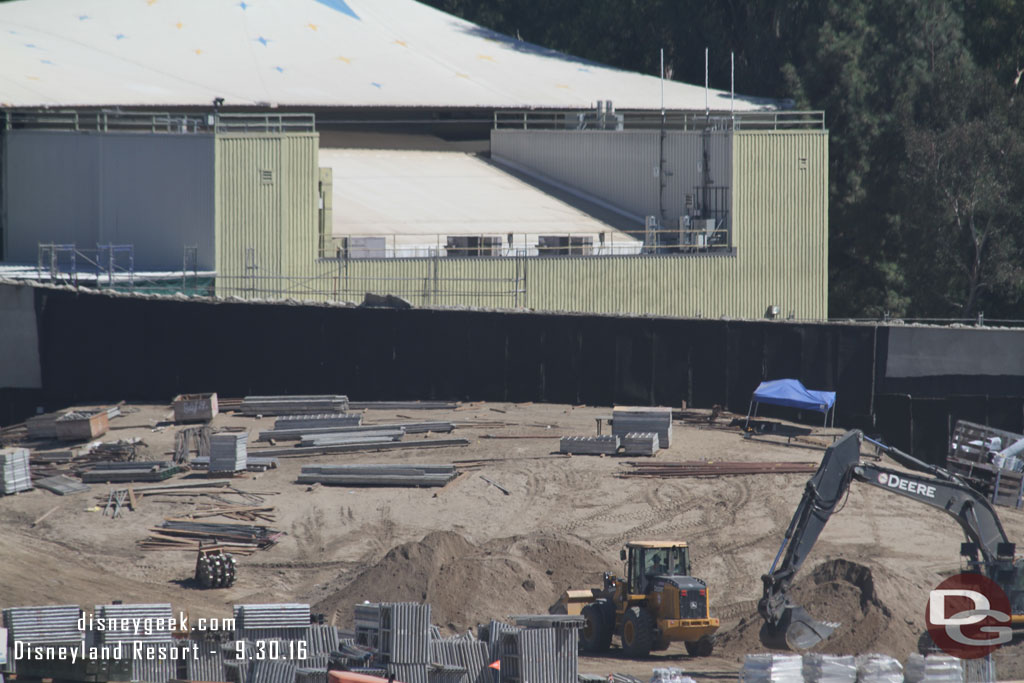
[
  {"x": 424, "y": 197},
  {"x": 315, "y": 53}
]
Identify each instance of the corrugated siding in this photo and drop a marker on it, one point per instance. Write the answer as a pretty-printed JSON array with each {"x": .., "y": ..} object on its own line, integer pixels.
[
  {"x": 275, "y": 218},
  {"x": 780, "y": 230},
  {"x": 780, "y": 210}
]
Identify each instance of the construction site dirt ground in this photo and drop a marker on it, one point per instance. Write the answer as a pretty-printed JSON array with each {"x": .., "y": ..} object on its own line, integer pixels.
[{"x": 475, "y": 553}]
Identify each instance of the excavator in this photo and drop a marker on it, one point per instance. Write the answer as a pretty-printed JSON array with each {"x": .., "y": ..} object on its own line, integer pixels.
[{"x": 988, "y": 551}]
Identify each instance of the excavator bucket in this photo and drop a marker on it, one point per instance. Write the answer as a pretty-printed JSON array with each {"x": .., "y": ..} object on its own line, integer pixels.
[{"x": 796, "y": 630}]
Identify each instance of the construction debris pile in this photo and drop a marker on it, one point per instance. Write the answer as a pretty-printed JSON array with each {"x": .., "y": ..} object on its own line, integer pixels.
[
  {"x": 378, "y": 475},
  {"x": 241, "y": 539},
  {"x": 17, "y": 476}
]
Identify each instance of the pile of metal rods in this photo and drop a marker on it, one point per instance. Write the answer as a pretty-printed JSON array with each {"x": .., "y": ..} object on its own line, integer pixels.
[{"x": 713, "y": 468}]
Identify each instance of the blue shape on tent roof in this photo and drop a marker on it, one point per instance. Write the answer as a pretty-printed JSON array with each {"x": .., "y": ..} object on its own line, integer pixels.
[
  {"x": 340, "y": 6},
  {"x": 792, "y": 393}
]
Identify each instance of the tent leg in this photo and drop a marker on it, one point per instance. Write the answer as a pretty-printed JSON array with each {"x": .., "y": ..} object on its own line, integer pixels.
[{"x": 749, "y": 409}]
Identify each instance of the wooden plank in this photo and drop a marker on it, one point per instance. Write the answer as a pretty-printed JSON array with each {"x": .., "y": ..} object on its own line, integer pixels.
[
  {"x": 132, "y": 500},
  {"x": 45, "y": 515}
]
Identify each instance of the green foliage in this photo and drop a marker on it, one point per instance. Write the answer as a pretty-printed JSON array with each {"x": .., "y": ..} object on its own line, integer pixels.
[{"x": 923, "y": 103}]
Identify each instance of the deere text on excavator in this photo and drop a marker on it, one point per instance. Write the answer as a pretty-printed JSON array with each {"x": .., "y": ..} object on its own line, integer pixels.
[{"x": 987, "y": 551}]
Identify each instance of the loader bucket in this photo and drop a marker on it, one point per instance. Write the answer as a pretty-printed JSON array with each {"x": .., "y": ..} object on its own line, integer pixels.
[{"x": 796, "y": 630}]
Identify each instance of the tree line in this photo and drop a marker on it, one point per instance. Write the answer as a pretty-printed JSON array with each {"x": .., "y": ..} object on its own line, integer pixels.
[{"x": 923, "y": 102}]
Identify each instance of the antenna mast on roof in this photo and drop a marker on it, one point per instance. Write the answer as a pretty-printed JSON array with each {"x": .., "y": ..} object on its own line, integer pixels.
[{"x": 707, "y": 110}]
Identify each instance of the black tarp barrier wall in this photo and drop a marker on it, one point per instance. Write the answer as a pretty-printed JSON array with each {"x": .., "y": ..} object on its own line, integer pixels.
[{"x": 97, "y": 347}]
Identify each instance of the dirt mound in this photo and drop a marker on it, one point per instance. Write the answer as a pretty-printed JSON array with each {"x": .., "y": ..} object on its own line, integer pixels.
[
  {"x": 468, "y": 584},
  {"x": 848, "y": 593}
]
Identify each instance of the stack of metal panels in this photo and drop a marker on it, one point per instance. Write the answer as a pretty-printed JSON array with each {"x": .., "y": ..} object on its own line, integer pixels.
[
  {"x": 15, "y": 467},
  {"x": 321, "y": 421},
  {"x": 627, "y": 419},
  {"x": 155, "y": 623},
  {"x": 323, "y": 640},
  {"x": 228, "y": 451},
  {"x": 398, "y": 633},
  {"x": 61, "y": 484},
  {"x": 208, "y": 662},
  {"x": 311, "y": 675},
  {"x": 378, "y": 475},
  {"x": 640, "y": 443},
  {"x": 156, "y": 669},
  {"x": 280, "y": 615},
  {"x": 589, "y": 445},
  {"x": 447, "y": 673},
  {"x": 540, "y": 655},
  {"x": 50, "y": 624},
  {"x": 315, "y": 404},
  {"x": 236, "y": 671},
  {"x": 403, "y": 405},
  {"x": 289, "y": 433},
  {"x": 548, "y": 620},
  {"x": 272, "y": 671},
  {"x": 252, "y": 463},
  {"x": 470, "y": 654},
  {"x": 111, "y": 472},
  {"x": 368, "y": 436}
]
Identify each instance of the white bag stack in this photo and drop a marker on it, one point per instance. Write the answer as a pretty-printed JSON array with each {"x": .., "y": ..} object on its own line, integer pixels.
[
  {"x": 934, "y": 669},
  {"x": 876, "y": 668},
  {"x": 772, "y": 668},
  {"x": 829, "y": 669}
]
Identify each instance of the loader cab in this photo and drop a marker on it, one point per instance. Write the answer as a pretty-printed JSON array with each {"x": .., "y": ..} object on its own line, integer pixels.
[{"x": 647, "y": 559}]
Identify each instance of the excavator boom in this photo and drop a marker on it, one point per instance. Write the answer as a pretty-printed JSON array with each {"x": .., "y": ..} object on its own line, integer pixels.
[{"x": 789, "y": 626}]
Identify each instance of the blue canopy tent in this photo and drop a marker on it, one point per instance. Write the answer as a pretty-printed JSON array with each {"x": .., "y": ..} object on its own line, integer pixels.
[{"x": 792, "y": 393}]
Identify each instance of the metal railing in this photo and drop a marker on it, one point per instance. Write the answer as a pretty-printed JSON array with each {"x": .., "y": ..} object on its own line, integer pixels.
[
  {"x": 598, "y": 119},
  {"x": 481, "y": 245},
  {"x": 108, "y": 120}
]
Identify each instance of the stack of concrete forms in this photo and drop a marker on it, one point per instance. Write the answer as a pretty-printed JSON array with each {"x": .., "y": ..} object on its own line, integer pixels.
[
  {"x": 296, "y": 434},
  {"x": 540, "y": 655},
  {"x": 321, "y": 421},
  {"x": 294, "y": 405},
  {"x": 367, "y": 436},
  {"x": 157, "y": 616},
  {"x": 466, "y": 652},
  {"x": 111, "y": 472},
  {"x": 403, "y": 405},
  {"x": 254, "y": 621},
  {"x": 228, "y": 451},
  {"x": 153, "y": 666},
  {"x": 271, "y": 671},
  {"x": 46, "y": 625},
  {"x": 626, "y": 420},
  {"x": 378, "y": 475},
  {"x": 208, "y": 662},
  {"x": 589, "y": 445},
  {"x": 446, "y": 673},
  {"x": 14, "y": 465},
  {"x": 311, "y": 675},
  {"x": 61, "y": 484},
  {"x": 492, "y": 633},
  {"x": 399, "y": 634},
  {"x": 640, "y": 443},
  {"x": 153, "y": 630}
]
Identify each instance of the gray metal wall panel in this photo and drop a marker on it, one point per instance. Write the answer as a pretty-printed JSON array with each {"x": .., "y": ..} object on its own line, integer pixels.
[
  {"x": 157, "y": 193},
  {"x": 154, "y": 191},
  {"x": 617, "y": 166},
  {"x": 51, "y": 192}
]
